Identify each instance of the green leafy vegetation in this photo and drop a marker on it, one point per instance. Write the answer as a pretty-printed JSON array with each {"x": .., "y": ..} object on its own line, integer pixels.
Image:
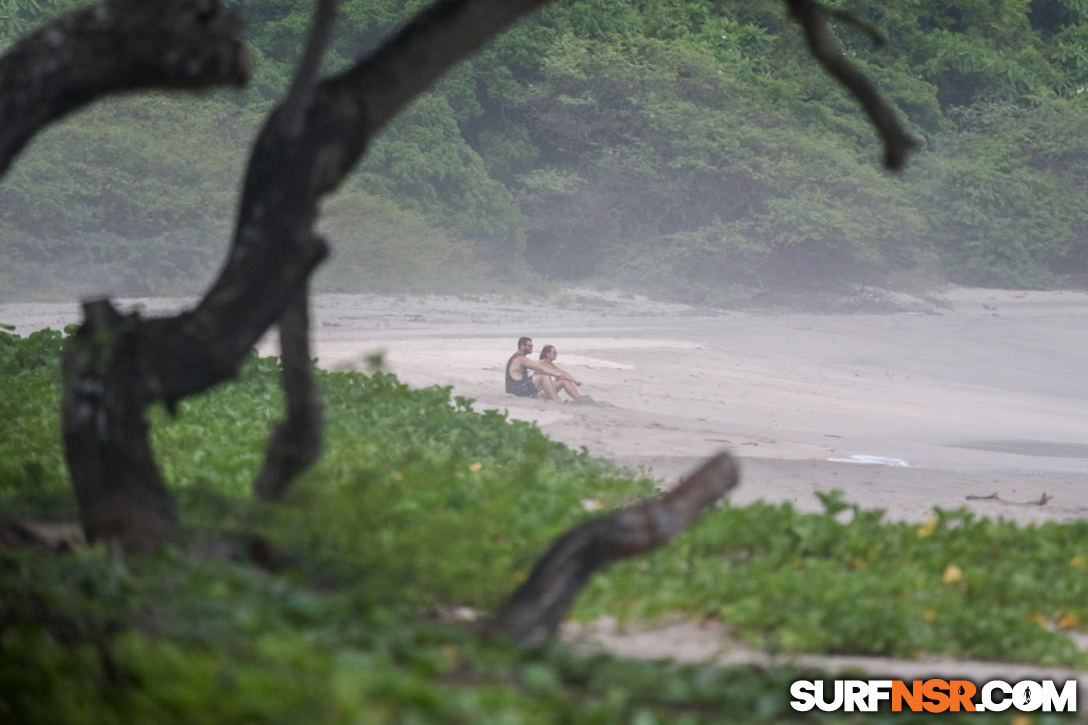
[
  {"x": 786, "y": 581},
  {"x": 422, "y": 503},
  {"x": 688, "y": 149}
]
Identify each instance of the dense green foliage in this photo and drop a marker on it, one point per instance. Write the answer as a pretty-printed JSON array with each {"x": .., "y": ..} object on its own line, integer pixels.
[
  {"x": 690, "y": 148},
  {"x": 422, "y": 503},
  {"x": 960, "y": 585}
]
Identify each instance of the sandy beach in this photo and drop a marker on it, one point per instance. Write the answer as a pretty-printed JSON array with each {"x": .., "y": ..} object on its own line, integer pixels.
[
  {"x": 944, "y": 403},
  {"x": 975, "y": 398}
]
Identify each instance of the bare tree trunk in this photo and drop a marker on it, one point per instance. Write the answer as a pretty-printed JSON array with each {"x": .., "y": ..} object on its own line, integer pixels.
[
  {"x": 536, "y": 609},
  {"x": 296, "y": 444},
  {"x": 120, "y": 491}
]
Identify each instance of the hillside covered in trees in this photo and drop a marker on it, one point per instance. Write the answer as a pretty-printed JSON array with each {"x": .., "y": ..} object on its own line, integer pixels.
[{"x": 686, "y": 148}]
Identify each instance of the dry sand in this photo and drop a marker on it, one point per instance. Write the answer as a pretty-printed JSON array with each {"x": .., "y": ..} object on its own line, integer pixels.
[
  {"x": 984, "y": 393},
  {"x": 978, "y": 393}
]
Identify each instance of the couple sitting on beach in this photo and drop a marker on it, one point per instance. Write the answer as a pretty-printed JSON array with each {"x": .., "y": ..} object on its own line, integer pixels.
[{"x": 529, "y": 378}]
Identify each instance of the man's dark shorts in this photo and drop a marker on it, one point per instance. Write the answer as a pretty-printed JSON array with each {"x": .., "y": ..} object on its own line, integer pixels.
[{"x": 522, "y": 388}]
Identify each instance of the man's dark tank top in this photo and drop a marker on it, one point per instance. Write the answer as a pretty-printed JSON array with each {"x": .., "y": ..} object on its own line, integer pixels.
[{"x": 522, "y": 387}]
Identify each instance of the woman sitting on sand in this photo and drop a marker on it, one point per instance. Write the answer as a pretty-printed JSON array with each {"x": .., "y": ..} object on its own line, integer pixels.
[{"x": 550, "y": 384}]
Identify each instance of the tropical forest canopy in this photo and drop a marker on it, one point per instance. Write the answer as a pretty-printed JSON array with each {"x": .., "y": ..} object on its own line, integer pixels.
[{"x": 682, "y": 147}]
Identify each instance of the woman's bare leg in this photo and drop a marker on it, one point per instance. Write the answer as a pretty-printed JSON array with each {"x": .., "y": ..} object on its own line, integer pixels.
[
  {"x": 571, "y": 388},
  {"x": 546, "y": 387}
]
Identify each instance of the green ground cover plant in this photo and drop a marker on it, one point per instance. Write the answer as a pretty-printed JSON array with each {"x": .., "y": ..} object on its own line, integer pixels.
[{"x": 422, "y": 503}]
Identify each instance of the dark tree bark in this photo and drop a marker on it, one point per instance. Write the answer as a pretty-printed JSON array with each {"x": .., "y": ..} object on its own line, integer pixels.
[
  {"x": 536, "y": 609},
  {"x": 120, "y": 45},
  {"x": 296, "y": 443},
  {"x": 821, "y": 43},
  {"x": 120, "y": 492}
]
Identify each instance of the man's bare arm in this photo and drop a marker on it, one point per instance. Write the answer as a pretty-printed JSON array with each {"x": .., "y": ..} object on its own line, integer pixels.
[
  {"x": 524, "y": 365},
  {"x": 563, "y": 374},
  {"x": 540, "y": 367},
  {"x": 547, "y": 368}
]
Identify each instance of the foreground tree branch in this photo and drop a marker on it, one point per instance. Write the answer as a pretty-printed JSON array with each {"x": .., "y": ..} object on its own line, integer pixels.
[
  {"x": 824, "y": 48},
  {"x": 301, "y": 93},
  {"x": 118, "y": 365},
  {"x": 536, "y": 609},
  {"x": 274, "y": 248},
  {"x": 120, "y": 491},
  {"x": 306, "y": 147},
  {"x": 296, "y": 443},
  {"x": 303, "y": 151},
  {"x": 120, "y": 45}
]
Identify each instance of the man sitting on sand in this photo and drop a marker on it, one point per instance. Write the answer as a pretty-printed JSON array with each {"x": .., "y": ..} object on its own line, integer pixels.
[
  {"x": 519, "y": 380},
  {"x": 555, "y": 379}
]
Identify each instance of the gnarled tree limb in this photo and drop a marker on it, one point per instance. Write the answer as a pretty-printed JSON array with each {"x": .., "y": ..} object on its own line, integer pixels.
[
  {"x": 821, "y": 43},
  {"x": 274, "y": 249},
  {"x": 120, "y": 491},
  {"x": 120, "y": 45},
  {"x": 536, "y": 609},
  {"x": 315, "y": 137},
  {"x": 851, "y": 19},
  {"x": 118, "y": 365},
  {"x": 301, "y": 93},
  {"x": 303, "y": 151},
  {"x": 296, "y": 443}
]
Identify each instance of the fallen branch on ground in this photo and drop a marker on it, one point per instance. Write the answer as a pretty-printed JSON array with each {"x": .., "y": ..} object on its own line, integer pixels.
[
  {"x": 1041, "y": 501},
  {"x": 536, "y": 609}
]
